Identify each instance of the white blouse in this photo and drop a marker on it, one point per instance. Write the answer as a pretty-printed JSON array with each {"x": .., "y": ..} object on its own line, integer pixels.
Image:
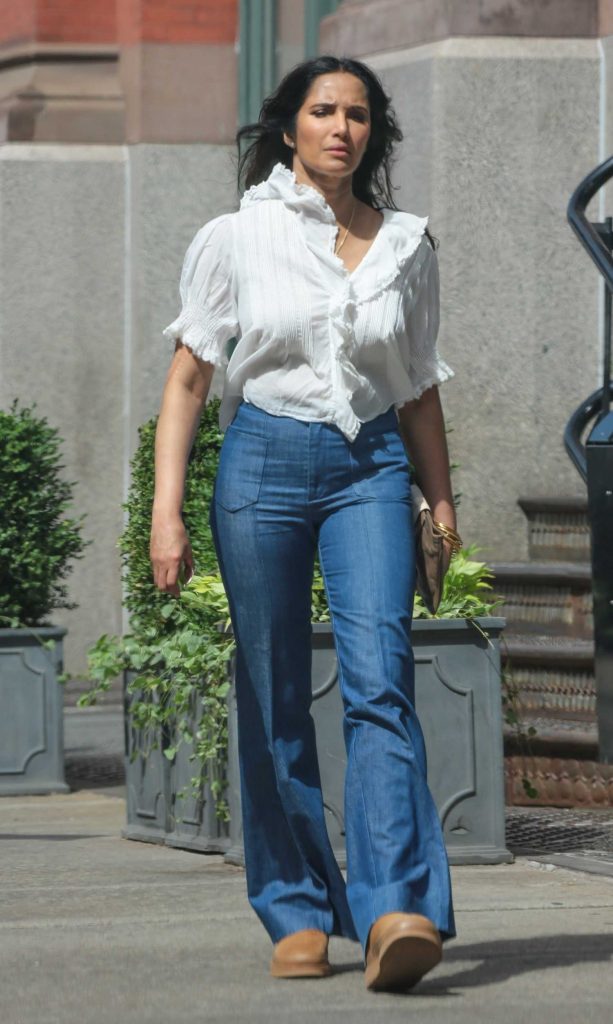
[{"x": 314, "y": 340}]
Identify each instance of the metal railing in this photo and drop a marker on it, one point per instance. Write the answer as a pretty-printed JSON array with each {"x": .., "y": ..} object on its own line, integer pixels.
[
  {"x": 594, "y": 458},
  {"x": 597, "y": 240}
]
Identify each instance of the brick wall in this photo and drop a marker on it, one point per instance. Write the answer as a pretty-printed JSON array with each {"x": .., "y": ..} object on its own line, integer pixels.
[
  {"x": 17, "y": 21},
  {"x": 126, "y": 21},
  {"x": 177, "y": 21},
  {"x": 57, "y": 21},
  {"x": 76, "y": 21}
]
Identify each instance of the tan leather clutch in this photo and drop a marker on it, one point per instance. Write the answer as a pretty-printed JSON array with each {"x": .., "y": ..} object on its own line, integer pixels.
[{"x": 429, "y": 552}]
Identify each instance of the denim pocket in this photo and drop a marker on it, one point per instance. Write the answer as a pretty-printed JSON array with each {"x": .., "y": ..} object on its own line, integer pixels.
[
  {"x": 379, "y": 466},
  {"x": 240, "y": 469}
]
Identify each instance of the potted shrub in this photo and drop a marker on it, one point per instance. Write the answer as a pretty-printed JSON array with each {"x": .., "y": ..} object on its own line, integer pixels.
[
  {"x": 174, "y": 662},
  {"x": 37, "y": 544}
]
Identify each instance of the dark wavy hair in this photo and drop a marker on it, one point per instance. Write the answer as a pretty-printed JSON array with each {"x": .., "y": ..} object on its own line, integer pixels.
[{"x": 371, "y": 179}]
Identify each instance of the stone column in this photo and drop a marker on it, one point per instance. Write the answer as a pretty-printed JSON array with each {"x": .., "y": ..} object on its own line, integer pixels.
[{"x": 178, "y": 69}]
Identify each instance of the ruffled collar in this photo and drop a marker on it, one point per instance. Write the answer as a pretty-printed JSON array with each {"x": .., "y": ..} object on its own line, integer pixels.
[
  {"x": 281, "y": 184},
  {"x": 395, "y": 243}
]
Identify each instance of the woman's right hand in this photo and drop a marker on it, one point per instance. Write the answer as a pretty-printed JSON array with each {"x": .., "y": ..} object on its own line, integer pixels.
[{"x": 169, "y": 549}]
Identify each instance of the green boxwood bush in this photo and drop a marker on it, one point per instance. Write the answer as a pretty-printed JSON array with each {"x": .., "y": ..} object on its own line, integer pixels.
[{"x": 38, "y": 541}]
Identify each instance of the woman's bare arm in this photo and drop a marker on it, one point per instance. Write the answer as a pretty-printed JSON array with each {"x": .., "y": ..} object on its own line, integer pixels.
[
  {"x": 185, "y": 392},
  {"x": 422, "y": 427}
]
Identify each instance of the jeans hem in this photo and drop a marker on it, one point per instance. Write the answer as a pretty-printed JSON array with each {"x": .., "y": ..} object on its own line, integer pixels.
[{"x": 325, "y": 924}]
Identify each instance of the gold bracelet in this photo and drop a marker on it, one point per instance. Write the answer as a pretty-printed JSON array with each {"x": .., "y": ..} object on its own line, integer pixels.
[
  {"x": 444, "y": 528},
  {"x": 449, "y": 534}
]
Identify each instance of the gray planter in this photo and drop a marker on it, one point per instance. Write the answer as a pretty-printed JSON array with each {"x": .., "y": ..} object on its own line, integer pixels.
[
  {"x": 458, "y": 700},
  {"x": 147, "y": 781},
  {"x": 31, "y": 712},
  {"x": 157, "y": 810},
  {"x": 194, "y": 824}
]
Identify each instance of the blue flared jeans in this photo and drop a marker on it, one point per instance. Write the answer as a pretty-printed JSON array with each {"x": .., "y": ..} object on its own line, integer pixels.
[{"x": 286, "y": 489}]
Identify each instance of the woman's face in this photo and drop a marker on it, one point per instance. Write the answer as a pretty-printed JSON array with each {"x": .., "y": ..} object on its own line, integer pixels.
[{"x": 332, "y": 126}]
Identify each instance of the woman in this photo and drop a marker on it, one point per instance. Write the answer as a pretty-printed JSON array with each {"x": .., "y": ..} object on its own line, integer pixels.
[{"x": 334, "y": 303}]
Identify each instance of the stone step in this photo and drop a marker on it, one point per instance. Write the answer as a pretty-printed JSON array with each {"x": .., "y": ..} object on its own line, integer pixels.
[
  {"x": 546, "y": 595},
  {"x": 558, "y": 528},
  {"x": 552, "y": 685},
  {"x": 548, "y": 652},
  {"x": 552, "y": 690},
  {"x": 548, "y": 673},
  {"x": 551, "y": 680},
  {"x": 562, "y": 736}
]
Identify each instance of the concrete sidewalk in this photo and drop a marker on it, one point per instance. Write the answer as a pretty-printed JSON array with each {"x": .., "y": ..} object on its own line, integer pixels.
[{"x": 96, "y": 928}]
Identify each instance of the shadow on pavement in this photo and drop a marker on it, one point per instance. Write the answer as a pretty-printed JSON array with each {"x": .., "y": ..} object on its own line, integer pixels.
[
  {"x": 505, "y": 959},
  {"x": 508, "y": 958}
]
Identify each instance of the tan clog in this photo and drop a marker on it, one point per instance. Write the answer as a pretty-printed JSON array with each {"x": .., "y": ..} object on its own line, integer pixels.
[
  {"x": 401, "y": 949},
  {"x": 302, "y": 954}
]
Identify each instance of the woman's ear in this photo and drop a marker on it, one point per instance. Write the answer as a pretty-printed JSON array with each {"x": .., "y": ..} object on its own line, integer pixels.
[{"x": 288, "y": 142}]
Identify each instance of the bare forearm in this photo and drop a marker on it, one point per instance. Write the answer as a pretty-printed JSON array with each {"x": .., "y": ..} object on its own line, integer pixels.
[
  {"x": 422, "y": 427},
  {"x": 177, "y": 425}
]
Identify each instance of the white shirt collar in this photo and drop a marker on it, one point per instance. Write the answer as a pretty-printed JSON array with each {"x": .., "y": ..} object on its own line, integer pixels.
[
  {"x": 398, "y": 239},
  {"x": 281, "y": 184}
]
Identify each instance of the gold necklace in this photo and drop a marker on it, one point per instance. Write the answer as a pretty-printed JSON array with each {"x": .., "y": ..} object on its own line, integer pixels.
[{"x": 336, "y": 251}]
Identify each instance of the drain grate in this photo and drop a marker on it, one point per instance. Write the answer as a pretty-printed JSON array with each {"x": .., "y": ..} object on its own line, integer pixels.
[{"x": 537, "y": 830}]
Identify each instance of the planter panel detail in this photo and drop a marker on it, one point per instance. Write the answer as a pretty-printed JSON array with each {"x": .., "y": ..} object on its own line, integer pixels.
[
  {"x": 160, "y": 805},
  {"x": 31, "y": 712},
  {"x": 147, "y": 782}
]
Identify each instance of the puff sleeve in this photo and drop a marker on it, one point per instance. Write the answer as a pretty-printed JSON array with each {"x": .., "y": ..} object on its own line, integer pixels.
[
  {"x": 418, "y": 342},
  {"x": 208, "y": 318}
]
